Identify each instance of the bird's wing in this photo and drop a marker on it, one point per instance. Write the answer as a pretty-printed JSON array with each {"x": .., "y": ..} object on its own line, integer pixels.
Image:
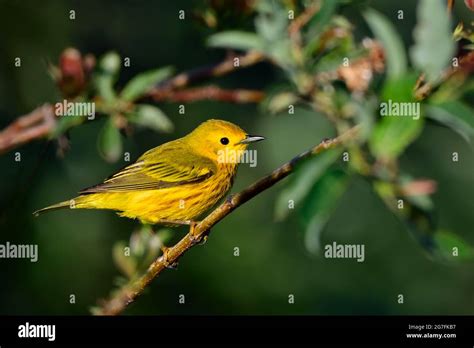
[{"x": 169, "y": 165}]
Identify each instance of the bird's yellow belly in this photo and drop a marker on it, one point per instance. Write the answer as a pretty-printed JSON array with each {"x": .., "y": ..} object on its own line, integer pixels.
[{"x": 151, "y": 206}]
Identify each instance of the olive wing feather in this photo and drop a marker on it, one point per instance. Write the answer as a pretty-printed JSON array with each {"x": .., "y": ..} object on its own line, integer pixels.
[{"x": 171, "y": 164}]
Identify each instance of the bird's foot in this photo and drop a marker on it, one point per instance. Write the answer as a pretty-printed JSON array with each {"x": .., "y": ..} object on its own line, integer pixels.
[
  {"x": 165, "y": 258},
  {"x": 230, "y": 198},
  {"x": 197, "y": 239}
]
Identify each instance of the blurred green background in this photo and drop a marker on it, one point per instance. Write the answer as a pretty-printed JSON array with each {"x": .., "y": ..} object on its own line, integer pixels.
[{"x": 75, "y": 248}]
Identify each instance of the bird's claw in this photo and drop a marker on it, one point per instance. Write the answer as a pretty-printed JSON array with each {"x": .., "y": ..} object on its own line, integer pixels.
[
  {"x": 230, "y": 198},
  {"x": 164, "y": 257},
  {"x": 201, "y": 240},
  {"x": 194, "y": 240}
]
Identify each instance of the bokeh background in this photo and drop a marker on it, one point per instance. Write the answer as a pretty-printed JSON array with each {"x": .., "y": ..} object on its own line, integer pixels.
[{"x": 75, "y": 248}]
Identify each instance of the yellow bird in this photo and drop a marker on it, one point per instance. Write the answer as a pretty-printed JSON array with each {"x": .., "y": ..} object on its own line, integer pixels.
[{"x": 173, "y": 183}]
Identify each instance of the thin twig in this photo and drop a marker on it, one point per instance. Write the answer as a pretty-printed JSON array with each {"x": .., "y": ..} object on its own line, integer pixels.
[
  {"x": 303, "y": 18},
  {"x": 227, "y": 66},
  {"x": 35, "y": 125},
  {"x": 120, "y": 299},
  {"x": 465, "y": 67},
  {"x": 208, "y": 93},
  {"x": 450, "y": 6}
]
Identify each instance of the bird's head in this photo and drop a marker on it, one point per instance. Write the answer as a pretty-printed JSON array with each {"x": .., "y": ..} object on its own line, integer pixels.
[{"x": 220, "y": 140}]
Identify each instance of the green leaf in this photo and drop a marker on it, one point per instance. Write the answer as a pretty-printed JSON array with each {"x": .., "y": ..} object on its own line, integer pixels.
[
  {"x": 434, "y": 45},
  {"x": 239, "y": 40},
  {"x": 280, "y": 102},
  {"x": 393, "y": 134},
  {"x": 320, "y": 204},
  {"x": 339, "y": 48},
  {"x": 322, "y": 17},
  {"x": 143, "y": 82},
  {"x": 452, "y": 247},
  {"x": 318, "y": 24},
  {"x": 125, "y": 263},
  {"x": 151, "y": 117},
  {"x": 107, "y": 74},
  {"x": 365, "y": 116},
  {"x": 65, "y": 123},
  {"x": 110, "y": 63},
  {"x": 455, "y": 115},
  {"x": 302, "y": 181},
  {"x": 280, "y": 52},
  {"x": 386, "y": 33},
  {"x": 272, "y": 21},
  {"x": 154, "y": 244},
  {"x": 271, "y": 25},
  {"x": 110, "y": 142}
]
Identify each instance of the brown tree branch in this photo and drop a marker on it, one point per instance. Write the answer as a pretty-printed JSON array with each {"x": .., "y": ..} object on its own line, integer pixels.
[
  {"x": 208, "y": 93},
  {"x": 197, "y": 75},
  {"x": 35, "y": 125},
  {"x": 126, "y": 295}
]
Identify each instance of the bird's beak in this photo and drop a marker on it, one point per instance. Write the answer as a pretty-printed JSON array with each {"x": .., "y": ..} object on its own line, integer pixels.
[{"x": 251, "y": 139}]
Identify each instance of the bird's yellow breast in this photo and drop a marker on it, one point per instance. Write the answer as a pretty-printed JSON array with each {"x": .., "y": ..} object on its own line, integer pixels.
[{"x": 183, "y": 202}]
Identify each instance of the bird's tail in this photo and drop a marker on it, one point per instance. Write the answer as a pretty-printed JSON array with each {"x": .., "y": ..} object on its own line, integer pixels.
[{"x": 66, "y": 204}]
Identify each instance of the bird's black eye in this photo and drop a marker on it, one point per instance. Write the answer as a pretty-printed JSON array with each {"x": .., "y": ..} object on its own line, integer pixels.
[{"x": 224, "y": 141}]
